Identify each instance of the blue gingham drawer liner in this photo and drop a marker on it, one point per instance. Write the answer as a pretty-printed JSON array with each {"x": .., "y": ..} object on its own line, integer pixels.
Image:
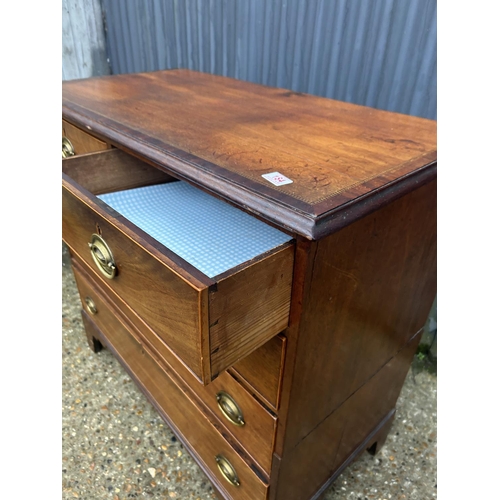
[{"x": 206, "y": 232}]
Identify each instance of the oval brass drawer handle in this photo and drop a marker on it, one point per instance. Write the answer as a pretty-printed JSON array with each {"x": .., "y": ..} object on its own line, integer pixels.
[
  {"x": 67, "y": 148},
  {"x": 229, "y": 408},
  {"x": 102, "y": 256},
  {"x": 227, "y": 470},
  {"x": 91, "y": 307}
]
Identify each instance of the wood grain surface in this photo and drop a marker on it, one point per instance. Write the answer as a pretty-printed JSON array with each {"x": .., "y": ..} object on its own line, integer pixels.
[
  {"x": 256, "y": 436},
  {"x": 111, "y": 170},
  {"x": 356, "y": 284},
  {"x": 170, "y": 304},
  {"x": 250, "y": 307},
  {"x": 191, "y": 424},
  {"x": 224, "y": 134},
  {"x": 370, "y": 289},
  {"x": 261, "y": 370},
  {"x": 82, "y": 141},
  {"x": 209, "y": 324},
  {"x": 308, "y": 469}
]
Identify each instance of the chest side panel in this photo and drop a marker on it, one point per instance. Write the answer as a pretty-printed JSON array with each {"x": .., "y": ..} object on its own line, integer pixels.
[{"x": 371, "y": 289}]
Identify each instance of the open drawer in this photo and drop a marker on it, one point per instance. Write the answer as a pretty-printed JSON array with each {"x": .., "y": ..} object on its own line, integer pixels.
[
  {"x": 210, "y": 318},
  {"x": 76, "y": 142}
]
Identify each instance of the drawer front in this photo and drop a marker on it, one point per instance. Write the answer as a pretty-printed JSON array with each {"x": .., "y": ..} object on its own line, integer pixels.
[
  {"x": 169, "y": 395},
  {"x": 210, "y": 324},
  {"x": 78, "y": 142},
  {"x": 237, "y": 410},
  {"x": 242, "y": 416},
  {"x": 170, "y": 304}
]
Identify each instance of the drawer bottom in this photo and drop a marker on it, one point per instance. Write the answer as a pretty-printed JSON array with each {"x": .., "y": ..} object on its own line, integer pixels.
[{"x": 170, "y": 399}]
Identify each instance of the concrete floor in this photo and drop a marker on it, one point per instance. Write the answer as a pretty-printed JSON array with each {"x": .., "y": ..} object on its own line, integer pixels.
[{"x": 115, "y": 446}]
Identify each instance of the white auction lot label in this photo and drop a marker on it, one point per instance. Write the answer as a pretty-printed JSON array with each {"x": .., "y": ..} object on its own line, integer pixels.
[{"x": 277, "y": 179}]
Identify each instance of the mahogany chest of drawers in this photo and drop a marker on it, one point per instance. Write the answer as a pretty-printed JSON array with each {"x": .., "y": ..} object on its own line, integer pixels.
[{"x": 261, "y": 262}]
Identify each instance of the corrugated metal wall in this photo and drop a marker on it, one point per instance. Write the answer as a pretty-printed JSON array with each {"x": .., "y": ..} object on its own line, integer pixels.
[
  {"x": 380, "y": 53},
  {"x": 83, "y": 40}
]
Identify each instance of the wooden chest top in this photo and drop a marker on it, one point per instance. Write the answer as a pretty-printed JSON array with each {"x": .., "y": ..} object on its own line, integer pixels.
[{"x": 223, "y": 135}]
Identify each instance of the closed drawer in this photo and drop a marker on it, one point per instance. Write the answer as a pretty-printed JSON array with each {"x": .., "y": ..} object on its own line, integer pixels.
[
  {"x": 210, "y": 323},
  {"x": 170, "y": 397},
  {"x": 77, "y": 142},
  {"x": 237, "y": 410}
]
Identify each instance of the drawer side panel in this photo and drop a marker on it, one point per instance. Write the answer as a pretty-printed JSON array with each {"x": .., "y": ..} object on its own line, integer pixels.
[{"x": 249, "y": 308}]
